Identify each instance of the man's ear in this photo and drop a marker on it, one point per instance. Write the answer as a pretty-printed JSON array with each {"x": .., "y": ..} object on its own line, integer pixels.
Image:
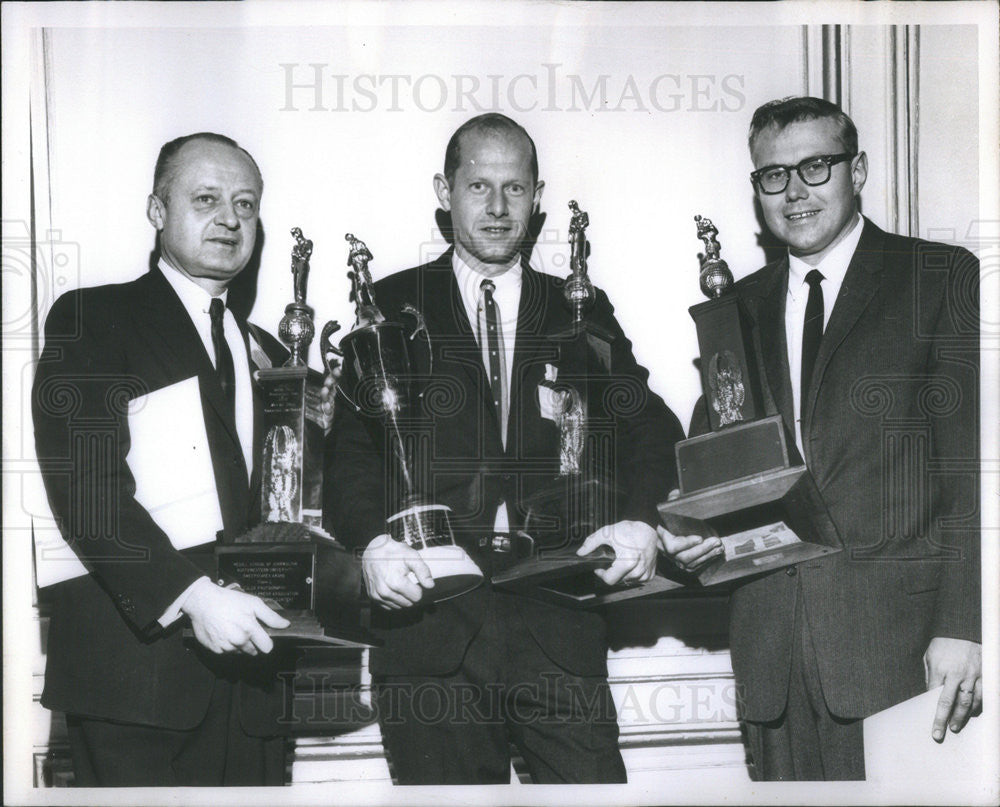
[
  {"x": 859, "y": 172},
  {"x": 442, "y": 191},
  {"x": 155, "y": 211},
  {"x": 537, "y": 199}
]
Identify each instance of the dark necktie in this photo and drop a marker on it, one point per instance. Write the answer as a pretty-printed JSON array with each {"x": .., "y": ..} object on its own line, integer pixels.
[
  {"x": 223, "y": 356},
  {"x": 812, "y": 332},
  {"x": 492, "y": 346}
]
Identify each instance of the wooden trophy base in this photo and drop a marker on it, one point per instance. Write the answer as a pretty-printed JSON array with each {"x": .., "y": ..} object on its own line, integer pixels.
[
  {"x": 565, "y": 578},
  {"x": 760, "y": 500}
]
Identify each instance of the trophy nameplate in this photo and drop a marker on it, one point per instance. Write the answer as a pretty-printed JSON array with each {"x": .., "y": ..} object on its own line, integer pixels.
[
  {"x": 289, "y": 560},
  {"x": 583, "y": 496},
  {"x": 744, "y": 481},
  {"x": 378, "y": 381}
]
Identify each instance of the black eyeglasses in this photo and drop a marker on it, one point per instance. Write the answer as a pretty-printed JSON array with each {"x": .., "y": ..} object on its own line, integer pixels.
[{"x": 813, "y": 171}]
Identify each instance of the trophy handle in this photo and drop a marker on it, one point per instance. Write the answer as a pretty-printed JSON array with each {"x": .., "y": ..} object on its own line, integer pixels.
[
  {"x": 420, "y": 326},
  {"x": 327, "y": 349}
]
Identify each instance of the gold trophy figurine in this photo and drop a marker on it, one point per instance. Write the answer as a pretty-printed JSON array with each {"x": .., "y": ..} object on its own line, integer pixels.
[{"x": 578, "y": 291}]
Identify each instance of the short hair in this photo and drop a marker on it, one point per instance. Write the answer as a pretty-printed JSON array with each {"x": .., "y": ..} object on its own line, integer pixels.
[
  {"x": 164, "y": 172},
  {"x": 490, "y": 123},
  {"x": 782, "y": 112}
]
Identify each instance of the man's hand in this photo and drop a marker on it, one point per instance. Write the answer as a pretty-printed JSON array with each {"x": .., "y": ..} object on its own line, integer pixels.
[
  {"x": 688, "y": 552},
  {"x": 395, "y": 575},
  {"x": 226, "y": 621},
  {"x": 634, "y": 543},
  {"x": 958, "y": 664}
]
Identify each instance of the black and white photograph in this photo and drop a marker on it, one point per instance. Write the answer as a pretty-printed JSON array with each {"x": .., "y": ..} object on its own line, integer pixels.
[{"x": 563, "y": 402}]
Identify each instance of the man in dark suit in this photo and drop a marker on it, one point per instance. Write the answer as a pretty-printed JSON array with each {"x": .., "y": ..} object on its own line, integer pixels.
[
  {"x": 869, "y": 348},
  {"x": 461, "y": 678},
  {"x": 143, "y": 708}
]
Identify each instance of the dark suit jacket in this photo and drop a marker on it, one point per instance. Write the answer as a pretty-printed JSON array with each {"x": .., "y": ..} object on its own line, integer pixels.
[
  {"x": 891, "y": 436},
  {"x": 470, "y": 471},
  {"x": 107, "y": 655}
]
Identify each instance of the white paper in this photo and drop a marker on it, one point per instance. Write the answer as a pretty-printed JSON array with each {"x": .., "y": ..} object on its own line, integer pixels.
[
  {"x": 899, "y": 746},
  {"x": 172, "y": 465},
  {"x": 54, "y": 560}
]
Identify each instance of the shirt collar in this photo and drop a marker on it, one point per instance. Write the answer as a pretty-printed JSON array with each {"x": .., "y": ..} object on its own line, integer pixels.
[
  {"x": 834, "y": 265},
  {"x": 193, "y": 297},
  {"x": 469, "y": 280}
]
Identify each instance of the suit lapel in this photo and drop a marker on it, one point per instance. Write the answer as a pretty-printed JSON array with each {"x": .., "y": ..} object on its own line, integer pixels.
[
  {"x": 182, "y": 351},
  {"x": 864, "y": 275},
  {"x": 533, "y": 326},
  {"x": 248, "y": 332},
  {"x": 774, "y": 347},
  {"x": 450, "y": 320},
  {"x": 166, "y": 314}
]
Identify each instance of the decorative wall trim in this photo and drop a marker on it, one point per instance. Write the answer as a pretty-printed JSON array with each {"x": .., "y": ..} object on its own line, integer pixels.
[
  {"x": 826, "y": 63},
  {"x": 833, "y": 60},
  {"x": 902, "y": 82}
]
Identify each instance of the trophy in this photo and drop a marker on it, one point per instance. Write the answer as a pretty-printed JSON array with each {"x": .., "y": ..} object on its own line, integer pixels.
[
  {"x": 582, "y": 497},
  {"x": 379, "y": 382},
  {"x": 744, "y": 481},
  {"x": 288, "y": 560}
]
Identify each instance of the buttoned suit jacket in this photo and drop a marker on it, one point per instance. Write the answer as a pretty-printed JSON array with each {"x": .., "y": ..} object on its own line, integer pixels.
[
  {"x": 107, "y": 656},
  {"x": 890, "y": 433},
  {"x": 470, "y": 471}
]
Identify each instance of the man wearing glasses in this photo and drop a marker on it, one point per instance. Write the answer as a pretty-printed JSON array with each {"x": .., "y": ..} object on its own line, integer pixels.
[{"x": 869, "y": 346}]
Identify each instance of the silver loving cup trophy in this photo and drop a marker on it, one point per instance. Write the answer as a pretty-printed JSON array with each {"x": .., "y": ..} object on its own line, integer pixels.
[{"x": 378, "y": 380}]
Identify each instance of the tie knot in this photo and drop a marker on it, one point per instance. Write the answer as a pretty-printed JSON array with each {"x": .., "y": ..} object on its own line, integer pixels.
[
  {"x": 216, "y": 309},
  {"x": 815, "y": 277},
  {"x": 488, "y": 286}
]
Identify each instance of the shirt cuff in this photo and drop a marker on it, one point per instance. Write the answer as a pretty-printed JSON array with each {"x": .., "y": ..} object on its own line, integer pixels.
[{"x": 173, "y": 612}]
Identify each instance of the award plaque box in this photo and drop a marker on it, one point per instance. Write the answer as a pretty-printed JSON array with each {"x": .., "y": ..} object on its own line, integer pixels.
[
  {"x": 583, "y": 496},
  {"x": 744, "y": 481}
]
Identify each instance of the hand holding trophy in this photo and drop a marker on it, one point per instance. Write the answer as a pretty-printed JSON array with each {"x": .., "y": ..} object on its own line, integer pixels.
[{"x": 378, "y": 380}]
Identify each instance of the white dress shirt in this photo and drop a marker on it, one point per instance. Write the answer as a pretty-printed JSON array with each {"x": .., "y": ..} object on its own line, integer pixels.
[
  {"x": 507, "y": 297},
  {"x": 196, "y": 302},
  {"x": 834, "y": 267}
]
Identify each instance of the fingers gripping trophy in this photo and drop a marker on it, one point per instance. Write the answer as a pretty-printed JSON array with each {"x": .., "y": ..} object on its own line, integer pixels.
[{"x": 379, "y": 381}]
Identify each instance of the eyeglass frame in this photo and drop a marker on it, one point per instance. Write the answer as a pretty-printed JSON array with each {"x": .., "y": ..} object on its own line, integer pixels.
[{"x": 829, "y": 159}]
